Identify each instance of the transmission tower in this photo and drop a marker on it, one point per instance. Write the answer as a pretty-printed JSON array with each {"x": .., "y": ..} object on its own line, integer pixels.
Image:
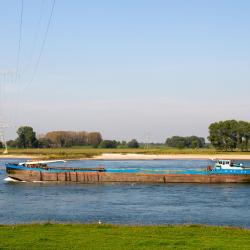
[
  {"x": 5, "y": 77},
  {"x": 147, "y": 137},
  {"x": 2, "y": 137}
]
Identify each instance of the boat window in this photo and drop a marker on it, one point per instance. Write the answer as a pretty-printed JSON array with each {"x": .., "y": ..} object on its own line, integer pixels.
[{"x": 220, "y": 162}]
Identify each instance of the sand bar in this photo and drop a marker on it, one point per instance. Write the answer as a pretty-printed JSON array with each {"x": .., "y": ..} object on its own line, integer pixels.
[
  {"x": 118, "y": 156},
  {"x": 170, "y": 156},
  {"x": 5, "y": 156}
]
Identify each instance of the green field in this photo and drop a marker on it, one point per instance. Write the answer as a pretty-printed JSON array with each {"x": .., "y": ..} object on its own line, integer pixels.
[
  {"x": 80, "y": 236},
  {"x": 85, "y": 152}
]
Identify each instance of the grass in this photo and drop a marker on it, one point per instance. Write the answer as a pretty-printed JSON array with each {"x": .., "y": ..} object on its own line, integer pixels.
[
  {"x": 91, "y": 236},
  {"x": 85, "y": 152}
]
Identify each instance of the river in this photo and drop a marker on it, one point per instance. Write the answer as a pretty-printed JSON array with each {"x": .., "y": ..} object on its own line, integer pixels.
[{"x": 215, "y": 204}]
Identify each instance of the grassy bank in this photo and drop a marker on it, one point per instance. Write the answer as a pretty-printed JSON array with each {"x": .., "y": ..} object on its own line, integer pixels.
[
  {"x": 78, "y": 236},
  {"x": 76, "y": 153}
]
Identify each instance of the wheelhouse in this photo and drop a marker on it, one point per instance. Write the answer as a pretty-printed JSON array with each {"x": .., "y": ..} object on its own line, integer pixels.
[{"x": 227, "y": 164}]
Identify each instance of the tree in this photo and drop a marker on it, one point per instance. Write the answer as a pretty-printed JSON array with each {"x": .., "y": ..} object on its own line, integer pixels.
[
  {"x": 243, "y": 135},
  {"x": 12, "y": 143},
  {"x": 26, "y": 137},
  {"x": 195, "y": 144},
  {"x": 186, "y": 142},
  {"x": 94, "y": 139},
  {"x": 108, "y": 144},
  {"x": 59, "y": 138},
  {"x": 230, "y": 128},
  {"x": 215, "y": 135},
  {"x": 72, "y": 138},
  {"x": 122, "y": 144},
  {"x": 229, "y": 135},
  {"x": 44, "y": 143},
  {"x": 181, "y": 143},
  {"x": 133, "y": 144},
  {"x": 176, "y": 141}
]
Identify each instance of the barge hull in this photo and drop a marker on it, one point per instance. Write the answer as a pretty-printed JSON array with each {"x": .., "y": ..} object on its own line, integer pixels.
[{"x": 104, "y": 177}]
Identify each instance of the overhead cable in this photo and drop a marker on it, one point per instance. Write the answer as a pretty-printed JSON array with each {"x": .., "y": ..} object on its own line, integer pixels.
[
  {"x": 42, "y": 46},
  {"x": 19, "y": 43}
]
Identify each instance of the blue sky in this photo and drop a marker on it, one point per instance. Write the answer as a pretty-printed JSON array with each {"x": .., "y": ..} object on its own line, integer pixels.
[{"x": 127, "y": 68}]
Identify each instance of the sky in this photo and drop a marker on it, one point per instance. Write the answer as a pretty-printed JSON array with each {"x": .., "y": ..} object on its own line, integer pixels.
[{"x": 129, "y": 69}]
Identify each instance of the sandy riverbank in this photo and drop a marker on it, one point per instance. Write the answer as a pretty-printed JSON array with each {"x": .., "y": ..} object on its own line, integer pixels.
[
  {"x": 118, "y": 156},
  {"x": 169, "y": 156},
  {"x": 3, "y": 156}
]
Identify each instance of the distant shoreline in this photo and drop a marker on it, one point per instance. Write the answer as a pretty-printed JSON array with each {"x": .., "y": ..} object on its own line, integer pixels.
[{"x": 129, "y": 156}]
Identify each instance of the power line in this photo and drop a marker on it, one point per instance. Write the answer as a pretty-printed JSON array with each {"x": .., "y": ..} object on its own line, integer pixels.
[
  {"x": 34, "y": 43},
  {"x": 17, "y": 75},
  {"x": 19, "y": 42},
  {"x": 42, "y": 46},
  {"x": 20, "y": 88}
]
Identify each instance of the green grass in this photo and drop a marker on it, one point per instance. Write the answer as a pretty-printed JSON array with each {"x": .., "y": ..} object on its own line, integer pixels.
[
  {"x": 85, "y": 152},
  {"x": 80, "y": 236}
]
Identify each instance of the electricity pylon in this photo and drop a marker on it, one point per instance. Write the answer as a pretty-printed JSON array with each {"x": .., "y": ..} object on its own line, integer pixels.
[
  {"x": 2, "y": 137},
  {"x": 4, "y": 77},
  {"x": 146, "y": 145}
]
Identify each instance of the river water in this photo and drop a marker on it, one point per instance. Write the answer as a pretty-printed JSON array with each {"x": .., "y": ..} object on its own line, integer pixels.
[{"x": 215, "y": 204}]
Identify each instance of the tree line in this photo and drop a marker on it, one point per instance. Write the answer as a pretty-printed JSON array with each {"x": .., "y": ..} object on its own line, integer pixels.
[
  {"x": 226, "y": 135},
  {"x": 185, "y": 142},
  {"x": 59, "y": 139}
]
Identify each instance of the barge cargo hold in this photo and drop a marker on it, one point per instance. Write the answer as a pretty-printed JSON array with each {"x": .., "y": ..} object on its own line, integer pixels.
[{"x": 226, "y": 172}]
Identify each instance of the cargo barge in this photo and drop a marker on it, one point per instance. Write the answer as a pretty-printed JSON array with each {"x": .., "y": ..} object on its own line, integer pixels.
[{"x": 224, "y": 171}]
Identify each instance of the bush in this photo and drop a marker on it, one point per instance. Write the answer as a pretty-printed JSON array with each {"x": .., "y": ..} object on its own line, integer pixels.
[
  {"x": 133, "y": 144},
  {"x": 12, "y": 143},
  {"x": 186, "y": 142},
  {"x": 108, "y": 144}
]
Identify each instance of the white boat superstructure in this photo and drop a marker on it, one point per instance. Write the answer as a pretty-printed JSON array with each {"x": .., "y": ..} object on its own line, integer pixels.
[{"x": 228, "y": 165}]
